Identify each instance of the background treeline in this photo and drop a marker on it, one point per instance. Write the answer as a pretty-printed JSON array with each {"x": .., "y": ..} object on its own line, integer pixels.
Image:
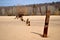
[{"x": 34, "y": 9}]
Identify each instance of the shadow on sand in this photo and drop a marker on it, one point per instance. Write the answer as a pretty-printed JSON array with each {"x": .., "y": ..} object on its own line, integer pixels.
[{"x": 38, "y": 34}]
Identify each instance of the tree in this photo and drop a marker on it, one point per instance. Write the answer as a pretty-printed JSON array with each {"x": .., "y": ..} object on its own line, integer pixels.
[
  {"x": 34, "y": 9},
  {"x": 21, "y": 9}
]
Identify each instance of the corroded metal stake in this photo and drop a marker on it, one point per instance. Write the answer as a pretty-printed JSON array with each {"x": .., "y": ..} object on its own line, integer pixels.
[
  {"x": 46, "y": 23},
  {"x": 28, "y": 22}
]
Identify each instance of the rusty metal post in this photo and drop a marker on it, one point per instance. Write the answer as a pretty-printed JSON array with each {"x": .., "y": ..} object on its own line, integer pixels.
[
  {"x": 28, "y": 22},
  {"x": 46, "y": 23}
]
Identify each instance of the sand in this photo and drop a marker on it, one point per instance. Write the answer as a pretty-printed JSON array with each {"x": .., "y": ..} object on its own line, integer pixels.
[{"x": 15, "y": 29}]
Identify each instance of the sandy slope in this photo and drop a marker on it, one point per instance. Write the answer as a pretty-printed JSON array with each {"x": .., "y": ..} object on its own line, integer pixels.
[{"x": 15, "y": 29}]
